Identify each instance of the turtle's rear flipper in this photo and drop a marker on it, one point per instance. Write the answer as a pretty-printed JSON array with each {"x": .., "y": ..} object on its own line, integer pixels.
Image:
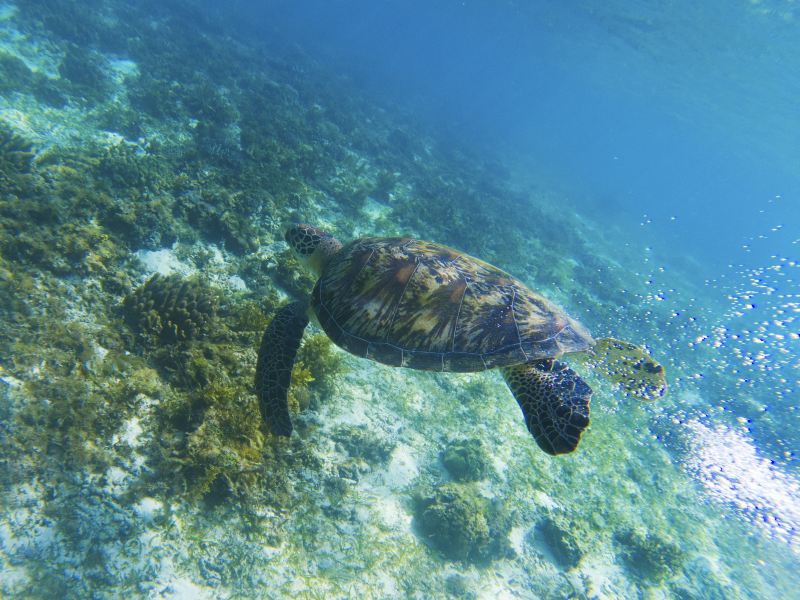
[
  {"x": 629, "y": 366},
  {"x": 274, "y": 368},
  {"x": 554, "y": 401}
]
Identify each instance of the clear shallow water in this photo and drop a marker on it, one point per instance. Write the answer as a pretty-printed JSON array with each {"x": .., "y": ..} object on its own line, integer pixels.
[{"x": 634, "y": 161}]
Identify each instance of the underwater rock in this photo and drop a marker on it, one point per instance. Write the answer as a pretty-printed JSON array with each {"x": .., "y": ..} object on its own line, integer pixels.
[
  {"x": 171, "y": 308},
  {"x": 466, "y": 460},
  {"x": 647, "y": 556},
  {"x": 560, "y": 541},
  {"x": 462, "y": 525}
]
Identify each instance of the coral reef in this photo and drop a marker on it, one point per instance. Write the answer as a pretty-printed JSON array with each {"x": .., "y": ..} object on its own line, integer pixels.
[
  {"x": 462, "y": 525},
  {"x": 560, "y": 541},
  {"x": 84, "y": 71},
  {"x": 649, "y": 557},
  {"x": 16, "y": 153},
  {"x": 123, "y": 165},
  {"x": 466, "y": 459},
  {"x": 171, "y": 308}
]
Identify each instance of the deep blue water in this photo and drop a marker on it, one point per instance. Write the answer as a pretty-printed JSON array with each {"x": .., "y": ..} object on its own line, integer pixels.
[{"x": 682, "y": 114}]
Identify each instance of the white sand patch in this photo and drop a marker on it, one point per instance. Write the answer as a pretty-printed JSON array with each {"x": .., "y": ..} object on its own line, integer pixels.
[
  {"x": 499, "y": 465},
  {"x": 545, "y": 501},
  {"x": 184, "y": 589},
  {"x": 375, "y": 210},
  {"x": 100, "y": 353},
  {"x": 163, "y": 262},
  {"x": 402, "y": 468},
  {"x": 11, "y": 381},
  {"x": 603, "y": 578},
  {"x": 122, "y": 68},
  {"x": 130, "y": 433},
  {"x": 516, "y": 538},
  {"x": 237, "y": 283},
  {"x": 503, "y": 583},
  {"x": 148, "y": 509},
  {"x": 386, "y": 507}
]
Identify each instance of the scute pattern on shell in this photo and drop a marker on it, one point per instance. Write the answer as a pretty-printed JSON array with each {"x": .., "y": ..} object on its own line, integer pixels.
[{"x": 417, "y": 304}]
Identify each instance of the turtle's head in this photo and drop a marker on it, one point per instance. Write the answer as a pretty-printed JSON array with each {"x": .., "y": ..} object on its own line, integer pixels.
[{"x": 312, "y": 246}]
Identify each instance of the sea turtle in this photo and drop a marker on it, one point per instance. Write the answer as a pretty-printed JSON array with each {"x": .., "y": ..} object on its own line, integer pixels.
[{"x": 416, "y": 304}]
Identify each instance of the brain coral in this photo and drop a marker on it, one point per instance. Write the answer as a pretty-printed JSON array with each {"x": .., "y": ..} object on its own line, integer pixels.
[{"x": 171, "y": 308}]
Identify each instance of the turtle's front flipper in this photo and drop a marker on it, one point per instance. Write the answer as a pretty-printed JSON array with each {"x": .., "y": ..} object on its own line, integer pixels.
[
  {"x": 629, "y": 366},
  {"x": 274, "y": 368},
  {"x": 554, "y": 401}
]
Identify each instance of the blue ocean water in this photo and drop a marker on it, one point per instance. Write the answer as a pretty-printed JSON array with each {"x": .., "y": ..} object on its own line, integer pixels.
[{"x": 634, "y": 161}]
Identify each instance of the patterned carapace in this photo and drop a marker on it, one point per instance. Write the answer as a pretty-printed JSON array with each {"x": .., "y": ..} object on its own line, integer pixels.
[{"x": 417, "y": 304}]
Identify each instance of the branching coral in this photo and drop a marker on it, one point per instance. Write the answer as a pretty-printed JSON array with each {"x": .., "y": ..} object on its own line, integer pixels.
[{"x": 171, "y": 308}]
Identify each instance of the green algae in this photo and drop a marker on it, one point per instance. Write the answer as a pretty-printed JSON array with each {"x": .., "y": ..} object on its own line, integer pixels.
[
  {"x": 291, "y": 275},
  {"x": 324, "y": 364}
]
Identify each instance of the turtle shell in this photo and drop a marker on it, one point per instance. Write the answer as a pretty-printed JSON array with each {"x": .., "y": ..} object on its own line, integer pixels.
[{"x": 409, "y": 303}]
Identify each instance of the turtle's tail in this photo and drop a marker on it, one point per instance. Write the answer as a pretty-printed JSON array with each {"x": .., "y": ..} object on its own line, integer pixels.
[
  {"x": 275, "y": 361},
  {"x": 554, "y": 401},
  {"x": 630, "y": 367}
]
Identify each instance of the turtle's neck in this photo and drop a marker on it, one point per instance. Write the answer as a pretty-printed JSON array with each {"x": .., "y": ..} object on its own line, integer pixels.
[{"x": 326, "y": 250}]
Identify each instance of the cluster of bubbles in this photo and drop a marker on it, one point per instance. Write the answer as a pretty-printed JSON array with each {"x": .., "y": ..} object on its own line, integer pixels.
[
  {"x": 732, "y": 471},
  {"x": 731, "y": 346}
]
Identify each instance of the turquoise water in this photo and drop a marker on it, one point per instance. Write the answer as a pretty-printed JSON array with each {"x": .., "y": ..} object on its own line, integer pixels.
[{"x": 634, "y": 162}]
